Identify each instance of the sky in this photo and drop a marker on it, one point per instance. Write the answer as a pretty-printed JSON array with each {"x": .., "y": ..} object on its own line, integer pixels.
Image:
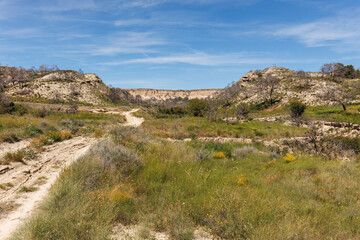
[{"x": 178, "y": 44}]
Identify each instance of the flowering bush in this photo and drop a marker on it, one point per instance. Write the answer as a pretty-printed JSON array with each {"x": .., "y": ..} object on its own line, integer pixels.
[{"x": 289, "y": 158}]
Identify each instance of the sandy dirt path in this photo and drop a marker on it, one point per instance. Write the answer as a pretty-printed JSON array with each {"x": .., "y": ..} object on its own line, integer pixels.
[
  {"x": 131, "y": 120},
  {"x": 38, "y": 174}
]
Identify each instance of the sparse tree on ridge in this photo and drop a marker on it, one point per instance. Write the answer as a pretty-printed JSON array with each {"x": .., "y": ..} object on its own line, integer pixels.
[
  {"x": 341, "y": 96},
  {"x": 267, "y": 86}
]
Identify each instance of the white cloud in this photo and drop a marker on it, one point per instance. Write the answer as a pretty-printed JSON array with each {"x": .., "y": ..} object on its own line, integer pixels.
[
  {"x": 202, "y": 59},
  {"x": 339, "y": 32},
  {"x": 22, "y": 33},
  {"x": 123, "y": 42}
]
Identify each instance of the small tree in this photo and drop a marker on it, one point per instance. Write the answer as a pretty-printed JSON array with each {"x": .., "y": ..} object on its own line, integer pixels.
[
  {"x": 198, "y": 107},
  {"x": 267, "y": 86},
  {"x": 339, "y": 95},
  {"x": 349, "y": 71},
  {"x": 297, "y": 109},
  {"x": 242, "y": 110}
]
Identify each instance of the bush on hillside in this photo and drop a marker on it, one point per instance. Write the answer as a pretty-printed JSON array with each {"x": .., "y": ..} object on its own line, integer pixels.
[
  {"x": 6, "y": 105},
  {"x": 198, "y": 107},
  {"x": 180, "y": 111},
  {"x": 242, "y": 110},
  {"x": 297, "y": 109}
]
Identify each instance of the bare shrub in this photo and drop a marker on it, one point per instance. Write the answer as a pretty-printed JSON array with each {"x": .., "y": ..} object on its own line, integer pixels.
[
  {"x": 120, "y": 134},
  {"x": 72, "y": 109},
  {"x": 203, "y": 154},
  {"x": 6, "y": 105},
  {"x": 115, "y": 157},
  {"x": 244, "y": 151}
]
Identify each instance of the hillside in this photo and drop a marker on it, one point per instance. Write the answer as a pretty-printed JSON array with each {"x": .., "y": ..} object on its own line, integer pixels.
[
  {"x": 71, "y": 86},
  {"x": 276, "y": 85},
  {"x": 55, "y": 86},
  {"x": 284, "y": 85}
]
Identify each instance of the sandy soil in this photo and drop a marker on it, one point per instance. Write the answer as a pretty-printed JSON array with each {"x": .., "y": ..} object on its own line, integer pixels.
[
  {"x": 40, "y": 174},
  {"x": 131, "y": 120},
  {"x": 136, "y": 232},
  {"x": 12, "y": 147}
]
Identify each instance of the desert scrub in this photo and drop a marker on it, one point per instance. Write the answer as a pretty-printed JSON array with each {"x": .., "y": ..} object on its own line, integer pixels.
[
  {"x": 13, "y": 157},
  {"x": 28, "y": 189},
  {"x": 112, "y": 156},
  {"x": 50, "y": 138},
  {"x": 5, "y": 186},
  {"x": 255, "y": 197},
  {"x": 244, "y": 151}
]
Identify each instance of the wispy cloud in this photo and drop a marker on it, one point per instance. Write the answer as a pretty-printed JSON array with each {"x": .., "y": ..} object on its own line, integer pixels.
[
  {"x": 22, "y": 33},
  {"x": 142, "y": 3},
  {"x": 203, "y": 59},
  {"x": 340, "y": 32},
  {"x": 123, "y": 42},
  {"x": 65, "y": 5}
]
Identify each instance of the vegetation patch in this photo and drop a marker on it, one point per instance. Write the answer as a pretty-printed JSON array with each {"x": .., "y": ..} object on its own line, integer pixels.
[{"x": 165, "y": 186}]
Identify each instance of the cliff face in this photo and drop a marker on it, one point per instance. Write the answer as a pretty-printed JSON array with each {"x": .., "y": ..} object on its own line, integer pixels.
[{"x": 165, "y": 95}]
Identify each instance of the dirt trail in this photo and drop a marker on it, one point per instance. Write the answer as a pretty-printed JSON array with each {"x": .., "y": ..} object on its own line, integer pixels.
[
  {"x": 131, "y": 120},
  {"x": 38, "y": 174}
]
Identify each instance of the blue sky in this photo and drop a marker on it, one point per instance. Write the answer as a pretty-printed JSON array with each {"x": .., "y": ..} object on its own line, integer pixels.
[{"x": 173, "y": 44}]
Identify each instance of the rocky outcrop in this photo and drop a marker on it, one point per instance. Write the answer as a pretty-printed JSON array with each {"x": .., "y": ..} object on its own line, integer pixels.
[
  {"x": 63, "y": 86},
  {"x": 306, "y": 87}
]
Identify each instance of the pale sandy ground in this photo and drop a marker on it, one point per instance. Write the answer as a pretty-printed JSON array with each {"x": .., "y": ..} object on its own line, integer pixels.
[
  {"x": 40, "y": 173},
  {"x": 135, "y": 232},
  {"x": 12, "y": 147},
  {"x": 131, "y": 120}
]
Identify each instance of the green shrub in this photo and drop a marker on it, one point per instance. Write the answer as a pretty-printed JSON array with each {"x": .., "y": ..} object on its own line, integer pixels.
[
  {"x": 54, "y": 136},
  {"x": 33, "y": 131},
  {"x": 297, "y": 109},
  {"x": 198, "y": 107},
  {"x": 179, "y": 111}
]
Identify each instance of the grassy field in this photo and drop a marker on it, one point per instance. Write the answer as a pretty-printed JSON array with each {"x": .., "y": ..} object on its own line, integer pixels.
[
  {"x": 231, "y": 190},
  {"x": 333, "y": 113},
  {"x": 15, "y": 127},
  {"x": 201, "y": 127}
]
